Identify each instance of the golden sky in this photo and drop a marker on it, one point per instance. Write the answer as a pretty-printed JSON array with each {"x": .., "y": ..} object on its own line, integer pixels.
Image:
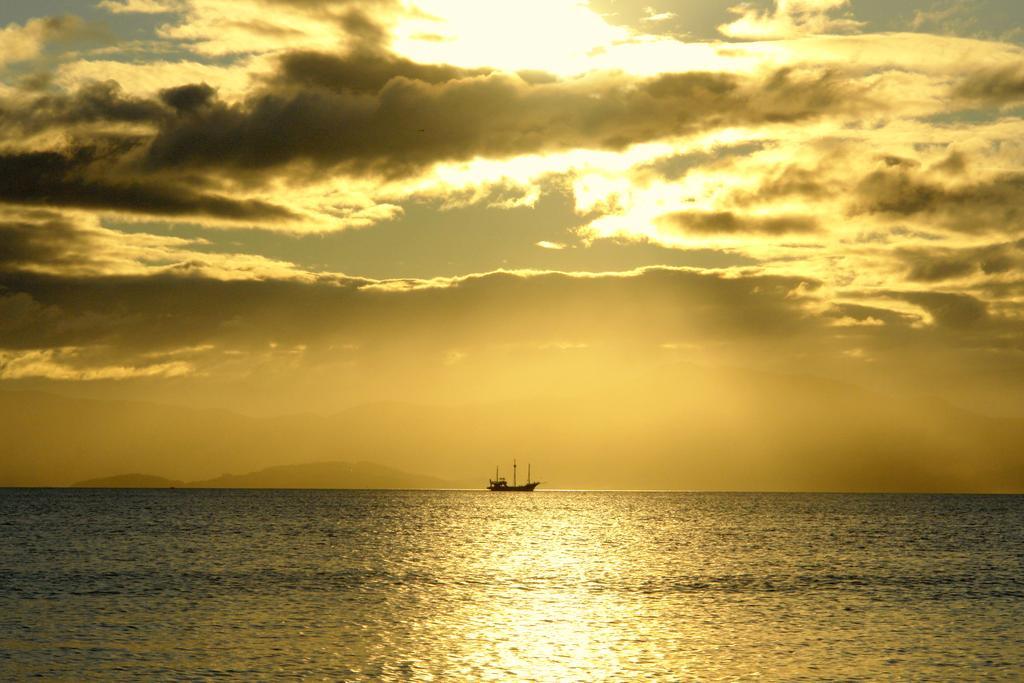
[{"x": 277, "y": 206}]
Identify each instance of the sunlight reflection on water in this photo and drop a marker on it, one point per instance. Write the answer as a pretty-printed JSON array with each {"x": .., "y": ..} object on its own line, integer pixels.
[{"x": 476, "y": 585}]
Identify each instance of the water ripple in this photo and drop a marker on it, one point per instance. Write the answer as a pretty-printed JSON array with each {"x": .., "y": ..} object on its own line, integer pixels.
[{"x": 362, "y": 585}]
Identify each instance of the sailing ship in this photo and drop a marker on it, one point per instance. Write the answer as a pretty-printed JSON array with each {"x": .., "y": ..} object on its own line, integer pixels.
[{"x": 499, "y": 483}]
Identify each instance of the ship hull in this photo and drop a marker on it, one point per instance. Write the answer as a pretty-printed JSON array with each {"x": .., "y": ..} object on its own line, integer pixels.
[{"x": 505, "y": 487}]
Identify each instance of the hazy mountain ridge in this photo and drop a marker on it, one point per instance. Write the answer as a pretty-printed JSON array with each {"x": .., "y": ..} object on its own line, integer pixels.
[
  {"x": 129, "y": 481},
  {"x": 319, "y": 475},
  {"x": 761, "y": 432}
]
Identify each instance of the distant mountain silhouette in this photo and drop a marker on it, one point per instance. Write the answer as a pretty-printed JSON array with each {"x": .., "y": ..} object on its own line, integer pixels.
[
  {"x": 318, "y": 475},
  {"x": 325, "y": 475},
  {"x": 129, "y": 481}
]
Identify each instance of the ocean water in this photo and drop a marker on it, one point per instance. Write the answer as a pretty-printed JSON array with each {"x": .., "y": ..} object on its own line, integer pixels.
[{"x": 549, "y": 586}]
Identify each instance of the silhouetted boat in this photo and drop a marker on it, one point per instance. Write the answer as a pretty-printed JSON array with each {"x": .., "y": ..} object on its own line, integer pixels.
[{"x": 499, "y": 483}]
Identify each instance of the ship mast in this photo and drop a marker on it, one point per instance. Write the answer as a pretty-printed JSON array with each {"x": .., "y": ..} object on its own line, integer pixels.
[
  {"x": 528, "y": 477},
  {"x": 513, "y": 471}
]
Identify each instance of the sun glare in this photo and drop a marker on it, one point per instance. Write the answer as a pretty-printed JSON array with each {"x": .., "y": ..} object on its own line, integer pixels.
[{"x": 560, "y": 37}]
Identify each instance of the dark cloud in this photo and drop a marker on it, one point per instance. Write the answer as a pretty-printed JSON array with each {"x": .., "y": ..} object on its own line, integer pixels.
[
  {"x": 396, "y": 334},
  {"x": 366, "y": 112},
  {"x": 362, "y": 71},
  {"x": 1001, "y": 258},
  {"x": 40, "y": 80},
  {"x": 188, "y": 98},
  {"x": 954, "y": 164},
  {"x": 101, "y": 173},
  {"x": 899, "y": 193},
  {"x": 51, "y": 242},
  {"x": 941, "y": 195},
  {"x": 1003, "y": 85},
  {"x": 789, "y": 181},
  {"x": 763, "y": 319},
  {"x": 167, "y": 311},
  {"x": 363, "y": 28},
  {"x": 949, "y": 309},
  {"x": 87, "y": 178},
  {"x": 993, "y": 205},
  {"x": 25, "y": 323},
  {"x": 727, "y": 222},
  {"x": 937, "y": 264},
  {"x": 927, "y": 268},
  {"x": 99, "y": 102},
  {"x": 326, "y": 112}
]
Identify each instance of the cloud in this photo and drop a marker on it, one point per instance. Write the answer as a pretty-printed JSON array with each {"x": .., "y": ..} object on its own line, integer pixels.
[
  {"x": 59, "y": 364},
  {"x": 363, "y": 71},
  {"x": 948, "y": 309},
  {"x": 142, "y": 6},
  {"x": 791, "y": 18},
  {"x": 952, "y": 188},
  {"x": 185, "y": 151},
  {"x": 990, "y": 205},
  {"x": 145, "y": 79},
  {"x": 188, "y": 99},
  {"x": 230, "y": 27},
  {"x": 789, "y": 181},
  {"x": 21, "y": 42},
  {"x": 144, "y": 314},
  {"x": 653, "y": 16},
  {"x": 529, "y": 331},
  {"x": 318, "y": 134},
  {"x": 1003, "y": 85},
  {"x": 941, "y": 264},
  {"x": 85, "y": 179},
  {"x": 410, "y": 123},
  {"x": 388, "y": 337},
  {"x": 727, "y": 222},
  {"x": 52, "y": 242},
  {"x": 76, "y": 246},
  {"x": 833, "y": 168},
  {"x": 870, "y": 316},
  {"x": 99, "y": 105}
]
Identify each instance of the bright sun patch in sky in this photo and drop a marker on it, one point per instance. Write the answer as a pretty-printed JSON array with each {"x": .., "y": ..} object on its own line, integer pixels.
[{"x": 559, "y": 37}]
